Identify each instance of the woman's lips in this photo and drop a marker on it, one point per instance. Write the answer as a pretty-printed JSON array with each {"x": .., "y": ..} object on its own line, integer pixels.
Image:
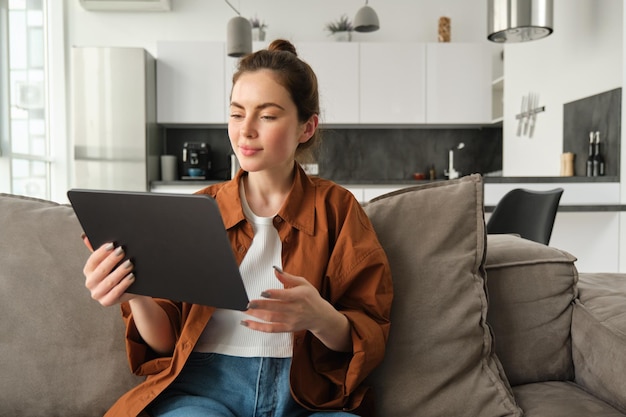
[{"x": 245, "y": 151}]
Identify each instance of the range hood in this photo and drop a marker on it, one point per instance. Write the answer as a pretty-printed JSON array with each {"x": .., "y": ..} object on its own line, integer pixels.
[{"x": 519, "y": 20}]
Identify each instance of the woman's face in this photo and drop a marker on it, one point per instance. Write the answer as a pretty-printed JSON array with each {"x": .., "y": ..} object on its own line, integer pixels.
[{"x": 263, "y": 126}]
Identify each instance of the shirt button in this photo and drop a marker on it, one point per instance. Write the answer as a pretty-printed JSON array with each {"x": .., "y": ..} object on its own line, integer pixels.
[
  {"x": 277, "y": 220},
  {"x": 241, "y": 249}
]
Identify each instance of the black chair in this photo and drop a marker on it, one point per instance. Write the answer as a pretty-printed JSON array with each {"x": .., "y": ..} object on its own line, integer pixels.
[{"x": 527, "y": 213}]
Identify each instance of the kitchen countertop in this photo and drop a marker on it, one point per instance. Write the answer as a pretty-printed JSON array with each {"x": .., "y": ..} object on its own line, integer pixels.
[
  {"x": 572, "y": 207},
  {"x": 405, "y": 182},
  {"x": 486, "y": 179}
]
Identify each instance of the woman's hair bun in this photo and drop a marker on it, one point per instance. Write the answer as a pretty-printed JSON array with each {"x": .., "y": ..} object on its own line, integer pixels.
[{"x": 282, "y": 45}]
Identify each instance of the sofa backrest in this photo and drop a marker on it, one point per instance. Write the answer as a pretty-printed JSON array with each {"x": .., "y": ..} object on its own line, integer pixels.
[
  {"x": 60, "y": 352},
  {"x": 440, "y": 360}
]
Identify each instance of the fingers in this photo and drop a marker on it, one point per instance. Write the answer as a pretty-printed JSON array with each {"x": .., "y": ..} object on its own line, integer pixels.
[
  {"x": 86, "y": 241},
  {"x": 266, "y": 327},
  {"x": 288, "y": 309},
  {"x": 107, "y": 279},
  {"x": 289, "y": 281},
  {"x": 102, "y": 261}
]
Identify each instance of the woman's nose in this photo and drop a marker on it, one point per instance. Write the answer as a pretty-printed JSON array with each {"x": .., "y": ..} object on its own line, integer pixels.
[{"x": 247, "y": 129}]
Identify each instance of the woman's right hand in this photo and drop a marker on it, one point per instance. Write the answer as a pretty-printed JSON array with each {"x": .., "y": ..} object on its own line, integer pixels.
[
  {"x": 107, "y": 281},
  {"x": 104, "y": 278}
]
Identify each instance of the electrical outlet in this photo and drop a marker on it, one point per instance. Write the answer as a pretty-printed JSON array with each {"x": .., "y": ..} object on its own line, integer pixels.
[{"x": 311, "y": 169}]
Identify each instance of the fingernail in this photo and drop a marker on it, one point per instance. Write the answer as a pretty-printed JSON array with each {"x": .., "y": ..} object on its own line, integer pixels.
[
  {"x": 130, "y": 277},
  {"x": 119, "y": 250},
  {"x": 266, "y": 294},
  {"x": 127, "y": 264},
  {"x": 83, "y": 236},
  {"x": 109, "y": 247},
  {"x": 244, "y": 323},
  {"x": 277, "y": 268}
]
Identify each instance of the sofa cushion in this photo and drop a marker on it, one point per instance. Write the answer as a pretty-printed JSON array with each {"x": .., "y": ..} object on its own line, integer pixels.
[
  {"x": 439, "y": 359},
  {"x": 531, "y": 288},
  {"x": 561, "y": 399},
  {"x": 61, "y": 354},
  {"x": 599, "y": 336}
]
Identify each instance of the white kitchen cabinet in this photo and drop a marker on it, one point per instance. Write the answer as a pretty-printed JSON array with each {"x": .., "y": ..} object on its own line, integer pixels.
[
  {"x": 359, "y": 83},
  {"x": 393, "y": 83},
  {"x": 458, "y": 83},
  {"x": 336, "y": 65},
  {"x": 190, "y": 82}
]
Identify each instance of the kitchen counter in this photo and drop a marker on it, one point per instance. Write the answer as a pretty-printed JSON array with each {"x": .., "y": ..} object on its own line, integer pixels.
[
  {"x": 487, "y": 179},
  {"x": 582, "y": 194}
]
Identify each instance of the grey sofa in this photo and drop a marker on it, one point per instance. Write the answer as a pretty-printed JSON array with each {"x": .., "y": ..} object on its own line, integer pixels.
[{"x": 482, "y": 326}]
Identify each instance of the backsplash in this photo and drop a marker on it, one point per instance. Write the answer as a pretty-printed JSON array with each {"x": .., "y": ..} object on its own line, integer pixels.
[
  {"x": 396, "y": 154},
  {"x": 368, "y": 155},
  {"x": 601, "y": 112}
]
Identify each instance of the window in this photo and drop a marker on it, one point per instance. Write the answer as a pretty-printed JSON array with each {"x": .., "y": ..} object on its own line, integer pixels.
[{"x": 26, "y": 158}]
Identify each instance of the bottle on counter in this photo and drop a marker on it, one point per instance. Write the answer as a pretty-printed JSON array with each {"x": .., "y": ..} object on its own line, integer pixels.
[
  {"x": 598, "y": 159},
  {"x": 589, "y": 164},
  {"x": 432, "y": 173}
]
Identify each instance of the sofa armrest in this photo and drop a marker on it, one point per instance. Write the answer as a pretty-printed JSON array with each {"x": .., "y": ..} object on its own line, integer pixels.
[
  {"x": 599, "y": 336},
  {"x": 531, "y": 289}
]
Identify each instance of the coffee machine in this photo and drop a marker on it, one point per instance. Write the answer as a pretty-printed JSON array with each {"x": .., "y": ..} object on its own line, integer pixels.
[{"x": 196, "y": 160}]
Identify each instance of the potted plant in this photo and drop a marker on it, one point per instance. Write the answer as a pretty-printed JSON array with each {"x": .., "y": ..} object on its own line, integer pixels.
[
  {"x": 258, "y": 28},
  {"x": 341, "y": 29}
]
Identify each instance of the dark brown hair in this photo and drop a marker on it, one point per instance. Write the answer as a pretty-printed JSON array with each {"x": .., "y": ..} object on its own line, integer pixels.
[{"x": 296, "y": 76}]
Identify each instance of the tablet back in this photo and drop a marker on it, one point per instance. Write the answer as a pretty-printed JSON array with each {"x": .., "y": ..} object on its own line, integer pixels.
[{"x": 177, "y": 243}]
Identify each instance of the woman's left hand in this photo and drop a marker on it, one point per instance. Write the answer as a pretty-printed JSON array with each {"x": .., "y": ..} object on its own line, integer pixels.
[{"x": 299, "y": 306}]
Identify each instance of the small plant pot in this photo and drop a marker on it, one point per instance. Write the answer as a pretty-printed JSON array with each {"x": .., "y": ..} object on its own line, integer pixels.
[
  {"x": 258, "y": 34},
  {"x": 342, "y": 36}
]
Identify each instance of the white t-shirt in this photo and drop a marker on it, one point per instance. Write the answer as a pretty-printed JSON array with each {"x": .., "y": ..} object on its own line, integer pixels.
[{"x": 224, "y": 334}]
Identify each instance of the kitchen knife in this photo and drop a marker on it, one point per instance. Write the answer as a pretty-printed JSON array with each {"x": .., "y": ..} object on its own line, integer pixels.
[
  {"x": 533, "y": 117},
  {"x": 520, "y": 116},
  {"x": 527, "y": 113}
]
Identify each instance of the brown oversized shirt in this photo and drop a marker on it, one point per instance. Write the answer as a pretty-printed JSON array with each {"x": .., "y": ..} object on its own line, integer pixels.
[{"x": 326, "y": 238}]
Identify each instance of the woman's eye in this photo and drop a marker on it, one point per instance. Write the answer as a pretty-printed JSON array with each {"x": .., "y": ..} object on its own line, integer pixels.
[
  {"x": 235, "y": 116},
  {"x": 268, "y": 117}
]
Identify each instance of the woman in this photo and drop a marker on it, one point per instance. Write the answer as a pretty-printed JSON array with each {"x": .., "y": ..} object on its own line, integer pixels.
[{"x": 312, "y": 333}]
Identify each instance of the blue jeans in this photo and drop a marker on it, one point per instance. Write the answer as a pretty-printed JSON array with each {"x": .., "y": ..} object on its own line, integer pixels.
[{"x": 214, "y": 385}]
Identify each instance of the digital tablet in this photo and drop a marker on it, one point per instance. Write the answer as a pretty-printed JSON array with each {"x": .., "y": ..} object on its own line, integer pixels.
[{"x": 177, "y": 243}]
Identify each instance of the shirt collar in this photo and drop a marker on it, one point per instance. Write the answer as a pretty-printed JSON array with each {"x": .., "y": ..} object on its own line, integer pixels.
[{"x": 298, "y": 210}]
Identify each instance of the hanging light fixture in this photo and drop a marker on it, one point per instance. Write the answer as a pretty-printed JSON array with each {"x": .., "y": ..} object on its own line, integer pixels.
[
  {"x": 366, "y": 19},
  {"x": 519, "y": 20},
  {"x": 238, "y": 35}
]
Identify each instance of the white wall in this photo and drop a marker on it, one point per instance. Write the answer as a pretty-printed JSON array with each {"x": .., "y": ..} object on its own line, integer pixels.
[
  {"x": 583, "y": 57},
  {"x": 400, "y": 20}
]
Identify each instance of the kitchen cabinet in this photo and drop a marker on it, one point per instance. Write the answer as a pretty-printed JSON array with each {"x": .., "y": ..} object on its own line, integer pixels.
[
  {"x": 374, "y": 83},
  {"x": 336, "y": 65},
  {"x": 190, "y": 82},
  {"x": 392, "y": 83},
  {"x": 458, "y": 83}
]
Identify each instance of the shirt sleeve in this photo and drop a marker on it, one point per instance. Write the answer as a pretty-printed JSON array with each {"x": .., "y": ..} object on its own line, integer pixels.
[
  {"x": 360, "y": 287},
  {"x": 142, "y": 359}
]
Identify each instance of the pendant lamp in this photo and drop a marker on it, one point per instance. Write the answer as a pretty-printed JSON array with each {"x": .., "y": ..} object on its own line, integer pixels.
[
  {"x": 366, "y": 19},
  {"x": 238, "y": 35},
  {"x": 519, "y": 20}
]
